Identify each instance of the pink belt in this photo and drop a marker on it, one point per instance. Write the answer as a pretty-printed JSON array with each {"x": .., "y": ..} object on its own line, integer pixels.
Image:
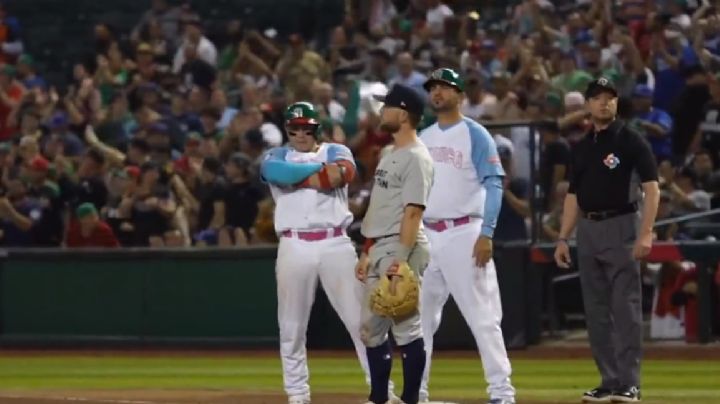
[
  {"x": 443, "y": 225},
  {"x": 314, "y": 235}
]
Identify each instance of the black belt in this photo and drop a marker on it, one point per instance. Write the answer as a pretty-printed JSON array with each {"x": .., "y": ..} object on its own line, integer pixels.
[{"x": 609, "y": 214}]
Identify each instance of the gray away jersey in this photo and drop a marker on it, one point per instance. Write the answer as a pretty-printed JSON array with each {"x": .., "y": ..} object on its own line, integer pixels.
[{"x": 403, "y": 176}]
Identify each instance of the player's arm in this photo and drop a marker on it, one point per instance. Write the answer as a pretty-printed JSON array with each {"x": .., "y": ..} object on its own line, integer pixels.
[
  {"x": 490, "y": 173},
  {"x": 417, "y": 182},
  {"x": 646, "y": 168},
  {"x": 338, "y": 172},
  {"x": 275, "y": 170}
]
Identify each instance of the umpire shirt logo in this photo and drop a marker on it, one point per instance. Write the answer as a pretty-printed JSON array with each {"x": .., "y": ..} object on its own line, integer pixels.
[{"x": 611, "y": 161}]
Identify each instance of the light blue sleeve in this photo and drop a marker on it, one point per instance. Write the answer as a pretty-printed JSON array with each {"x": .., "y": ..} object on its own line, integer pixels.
[
  {"x": 275, "y": 170},
  {"x": 489, "y": 171},
  {"x": 339, "y": 152},
  {"x": 483, "y": 152},
  {"x": 493, "y": 202}
]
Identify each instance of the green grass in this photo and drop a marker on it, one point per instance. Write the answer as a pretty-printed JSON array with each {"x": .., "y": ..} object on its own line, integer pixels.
[{"x": 664, "y": 382}]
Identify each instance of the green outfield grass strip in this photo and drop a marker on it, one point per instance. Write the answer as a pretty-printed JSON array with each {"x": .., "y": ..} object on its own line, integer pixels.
[{"x": 664, "y": 381}]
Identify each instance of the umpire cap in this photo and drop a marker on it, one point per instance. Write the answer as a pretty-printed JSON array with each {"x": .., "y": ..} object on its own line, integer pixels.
[{"x": 599, "y": 86}]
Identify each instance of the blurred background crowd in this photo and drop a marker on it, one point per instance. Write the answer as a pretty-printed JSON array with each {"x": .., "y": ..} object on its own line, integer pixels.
[{"x": 145, "y": 126}]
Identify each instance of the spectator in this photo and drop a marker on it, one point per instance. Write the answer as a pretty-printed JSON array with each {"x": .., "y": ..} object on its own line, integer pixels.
[
  {"x": 194, "y": 45},
  {"x": 299, "y": 67},
  {"x": 654, "y": 123},
  {"x": 708, "y": 133},
  {"x": 89, "y": 231},
  {"x": 48, "y": 228},
  {"x": 27, "y": 73},
  {"x": 554, "y": 160},
  {"x": 18, "y": 214},
  {"x": 150, "y": 207},
  {"x": 687, "y": 198},
  {"x": 91, "y": 183},
  {"x": 242, "y": 198},
  {"x": 10, "y": 39},
  {"x": 211, "y": 197},
  {"x": 687, "y": 110},
  {"x": 407, "y": 75},
  {"x": 323, "y": 99},
  {"x": 167, "y": 17},
  {"x": 219, "y": 101},
  {"x": 478, "y": 104},
  {"x": 703, "y": 168},
  {"x": 11, "y": 94},
  {"x": 515, "y": 208}
]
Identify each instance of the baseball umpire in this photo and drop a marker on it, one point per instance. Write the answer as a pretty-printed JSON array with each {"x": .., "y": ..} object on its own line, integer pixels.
[
  {"x": 397, "y": 247},
  {"x": 613, "y": 167}
]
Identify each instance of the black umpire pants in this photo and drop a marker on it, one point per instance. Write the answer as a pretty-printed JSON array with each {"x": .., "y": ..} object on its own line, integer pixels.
[{"x": 610, "y": 280}]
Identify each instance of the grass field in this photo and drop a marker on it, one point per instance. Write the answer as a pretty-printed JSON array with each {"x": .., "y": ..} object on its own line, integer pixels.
[{"x": 456, "y": 379}]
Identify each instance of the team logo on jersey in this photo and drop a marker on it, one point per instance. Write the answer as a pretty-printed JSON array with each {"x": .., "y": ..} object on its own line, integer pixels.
[{"x": 611, "y": 161}]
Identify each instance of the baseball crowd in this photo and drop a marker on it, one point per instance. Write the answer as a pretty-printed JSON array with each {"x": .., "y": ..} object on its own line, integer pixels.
[{"x": 157, "y": 139}]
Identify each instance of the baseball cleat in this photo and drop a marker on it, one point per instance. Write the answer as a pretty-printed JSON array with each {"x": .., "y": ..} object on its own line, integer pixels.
[
  {"x": 597, "y": 395},
  {"x": 626, "y": 395},
  {"x": 501, "y": 401}
]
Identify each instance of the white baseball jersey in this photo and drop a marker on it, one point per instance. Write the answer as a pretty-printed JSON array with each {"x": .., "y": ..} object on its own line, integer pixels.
[
  {"x": 464, "y": 154},
  {"x": 307, "y": 208}
]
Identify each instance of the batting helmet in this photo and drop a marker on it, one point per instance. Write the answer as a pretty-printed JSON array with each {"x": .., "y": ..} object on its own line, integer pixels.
[{"x": 302, "y": 113}]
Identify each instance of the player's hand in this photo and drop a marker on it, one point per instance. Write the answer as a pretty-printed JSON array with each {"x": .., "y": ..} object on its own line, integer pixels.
[
  {"x": 391, "y": 272},
  {"x": 483, "y": 251},
  {"x": 642, "y": 246},
  {"x": 335, "y": 174},
  {"x": 562, "y": 255},
  {"x": 361, "y": 267}
]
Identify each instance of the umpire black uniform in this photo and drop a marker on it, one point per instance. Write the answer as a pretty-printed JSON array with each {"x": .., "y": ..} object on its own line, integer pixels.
[{"x": 609, "y": 167}]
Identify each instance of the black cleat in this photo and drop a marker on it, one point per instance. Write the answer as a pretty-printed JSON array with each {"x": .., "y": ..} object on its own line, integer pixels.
[
  {"x": 598, "y": 395},
  {"x": 626, "y": 395}
]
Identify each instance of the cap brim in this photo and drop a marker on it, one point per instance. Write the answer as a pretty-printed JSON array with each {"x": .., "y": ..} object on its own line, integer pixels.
[
  {"x": 380, "y": 98},
  {"x": 599, "y": 90},
  {"x": 430, "y": 82}
]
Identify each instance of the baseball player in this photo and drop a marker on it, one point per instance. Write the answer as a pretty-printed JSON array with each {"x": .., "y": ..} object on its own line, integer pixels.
[
  {"x": 309, "y": 184},
  {"x": 393, "y": 228},
  {"x": 460, "y": 217}
]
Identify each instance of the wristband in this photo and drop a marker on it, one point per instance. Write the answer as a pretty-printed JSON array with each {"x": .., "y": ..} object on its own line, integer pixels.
[
  {"x": 367, "y": 245},
  {"x": 563, "y": 240}
]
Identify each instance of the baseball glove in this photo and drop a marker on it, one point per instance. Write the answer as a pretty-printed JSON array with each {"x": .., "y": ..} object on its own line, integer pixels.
[{"x": 404, "y": 301}]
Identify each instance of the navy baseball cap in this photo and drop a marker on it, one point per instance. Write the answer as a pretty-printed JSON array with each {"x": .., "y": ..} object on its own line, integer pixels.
[{"x": 403, "y": 97}]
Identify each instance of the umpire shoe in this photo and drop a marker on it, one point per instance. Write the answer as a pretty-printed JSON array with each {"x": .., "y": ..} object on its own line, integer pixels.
[
  {"x": 626, "y": 395},
  {"x": 501, "y": 401},
  {"x": 598, "y": 395}
]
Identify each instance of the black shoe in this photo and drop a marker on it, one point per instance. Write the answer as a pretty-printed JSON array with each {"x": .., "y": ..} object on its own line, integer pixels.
[
  {"x": 626, "y": 395},
  {"x": 598, "y": 395}
]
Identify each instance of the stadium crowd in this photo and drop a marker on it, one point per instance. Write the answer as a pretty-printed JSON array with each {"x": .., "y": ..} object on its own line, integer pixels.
[{"x": 158, "y": 138}]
